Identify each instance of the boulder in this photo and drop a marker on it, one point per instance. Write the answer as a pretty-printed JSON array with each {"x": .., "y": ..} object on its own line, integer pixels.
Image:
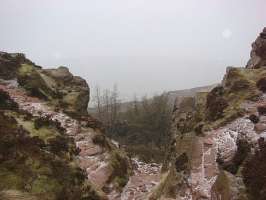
[{"x": 258, "y": 52}]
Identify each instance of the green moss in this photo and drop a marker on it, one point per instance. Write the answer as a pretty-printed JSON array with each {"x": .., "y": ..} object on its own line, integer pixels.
[
  {"x": 227, "y": 186},
  {"x": 59, "y": 90},
  {"x": 49, "y": 82},
  {"x": 32, "y": 80},
  {"x": 25, "y": 69},
  {"x": 71, "y": 98},
  {"x": 158, "y": 191},
  {"x": 168, "y": 186},
  {"x": 29, "y": 165},
  {"x": 45, "y": 186},
  {"x": 239, "y": 85},
  {"x": 120, "y": 168},
  {"x": 44, "y": 133},
  {"x": 10, "y": 180}
]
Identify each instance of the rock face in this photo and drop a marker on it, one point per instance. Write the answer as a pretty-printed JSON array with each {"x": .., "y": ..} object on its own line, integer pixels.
[
  {"x": 258, "y": 53},
  {"x": 218, "y": 139},
  {"x": 59, "y": 86},
  {"x": 37, "y": 158}
]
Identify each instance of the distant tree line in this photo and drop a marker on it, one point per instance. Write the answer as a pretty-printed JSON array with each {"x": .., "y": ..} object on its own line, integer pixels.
[{"x": 142, "y": 127}]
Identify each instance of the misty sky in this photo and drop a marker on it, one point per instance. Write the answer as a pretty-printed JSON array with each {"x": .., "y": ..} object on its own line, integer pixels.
[{"x": 144, "y": 46}]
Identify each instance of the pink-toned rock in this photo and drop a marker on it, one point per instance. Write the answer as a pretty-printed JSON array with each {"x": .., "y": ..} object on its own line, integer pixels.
[
  {"x": 91, "y": 151},
  {"x": 208, "y": 141},
  {"x": 260, "y": 127},
  {"x": 100, "y": 176}
]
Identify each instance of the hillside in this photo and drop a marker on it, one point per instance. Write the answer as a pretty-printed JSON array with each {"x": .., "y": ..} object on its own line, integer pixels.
[
  {"x": 180, "y": 94},
  {"x": 218, "y": 138}
]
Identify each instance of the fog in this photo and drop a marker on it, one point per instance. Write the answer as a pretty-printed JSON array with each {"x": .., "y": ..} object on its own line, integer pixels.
[{"x": 143, "y": 46}]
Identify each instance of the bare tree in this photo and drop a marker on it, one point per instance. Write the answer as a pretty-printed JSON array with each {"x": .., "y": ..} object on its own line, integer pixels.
[
  {"x": 107, "y": 105},
  {"x": 97, "y": 98}
]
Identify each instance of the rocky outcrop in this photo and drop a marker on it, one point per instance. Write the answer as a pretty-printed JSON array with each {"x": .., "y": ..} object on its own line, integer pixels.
[
  {"x": 37, "y": 158},
  {"x": 258, "y": 53},
  {"x": 218, "y": 139},
  {"x": 9, "y": 64},
  {"x": 59, "y": 86}
]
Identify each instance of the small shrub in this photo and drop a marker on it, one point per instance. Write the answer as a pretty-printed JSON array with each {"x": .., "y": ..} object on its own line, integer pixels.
[
  {"x": 261, "y": 85},
  {"x": 254, "y": 173},
  {"x": 6, "y": 102},
  {"x": 216, "y": 104}
]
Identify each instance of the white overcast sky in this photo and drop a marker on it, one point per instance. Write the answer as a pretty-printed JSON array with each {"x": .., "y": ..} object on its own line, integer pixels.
[{"x": 144, "y": 46}]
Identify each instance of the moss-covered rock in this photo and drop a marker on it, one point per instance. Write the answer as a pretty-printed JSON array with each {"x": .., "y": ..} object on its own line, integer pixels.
[
  {"x": 36, "y": 167},
  {"x": 216, "y": 104},
  {"x": 10, "y": 63},
  {"x": 120, "y": 167},
  {"x": 227, "y": 186},
  {"x": 58, "y": 86},
  {"x": 32, "y": 80}
]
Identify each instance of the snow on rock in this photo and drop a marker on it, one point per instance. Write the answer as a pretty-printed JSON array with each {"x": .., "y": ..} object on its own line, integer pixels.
[
  {"x": 146, "y": 177},
  {"x": 221, "y": 145}
]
